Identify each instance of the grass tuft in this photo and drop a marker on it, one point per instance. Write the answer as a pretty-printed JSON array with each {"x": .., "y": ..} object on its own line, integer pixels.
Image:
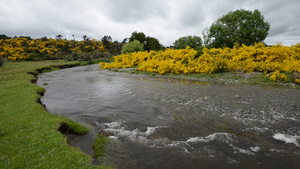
[
  {"x": 70, "y": 127},
  {"x": 99, "y": 145}
]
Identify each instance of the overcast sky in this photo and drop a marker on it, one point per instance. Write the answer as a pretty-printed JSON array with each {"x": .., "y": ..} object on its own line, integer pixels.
[{"x": 166, "y": 20}]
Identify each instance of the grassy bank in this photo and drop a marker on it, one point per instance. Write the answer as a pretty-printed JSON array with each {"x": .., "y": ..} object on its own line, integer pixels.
[{"x": 29, "y": 136}]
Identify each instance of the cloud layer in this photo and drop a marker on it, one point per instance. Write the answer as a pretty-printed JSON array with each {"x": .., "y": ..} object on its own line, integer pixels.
[{"x": 166, "y": 20}]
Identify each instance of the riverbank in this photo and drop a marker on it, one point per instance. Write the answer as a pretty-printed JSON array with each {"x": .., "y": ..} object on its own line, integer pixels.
[
  {"x": 254, "y": 78},
  {"x": 29, "y": 135}
]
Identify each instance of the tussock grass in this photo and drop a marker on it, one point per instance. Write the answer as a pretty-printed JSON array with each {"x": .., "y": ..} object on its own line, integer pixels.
[
  {"x": 99, "y": 145},
  {"x": 29, "y": 136}
]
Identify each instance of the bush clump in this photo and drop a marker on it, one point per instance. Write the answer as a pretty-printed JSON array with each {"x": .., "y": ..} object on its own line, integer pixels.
[
  {"x": 17, "y": 49},
  {"x": 131, "y": 47},
  {"x": 274, "y": 61},
  {"x": 88, "y": 56}
]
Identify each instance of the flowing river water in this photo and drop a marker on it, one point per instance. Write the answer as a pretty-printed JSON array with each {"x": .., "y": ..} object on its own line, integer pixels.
[{"x": 159, "y": 122}]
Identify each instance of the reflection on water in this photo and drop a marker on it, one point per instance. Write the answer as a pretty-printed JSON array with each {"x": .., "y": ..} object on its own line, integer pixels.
[{"x": 165, "y": 123}]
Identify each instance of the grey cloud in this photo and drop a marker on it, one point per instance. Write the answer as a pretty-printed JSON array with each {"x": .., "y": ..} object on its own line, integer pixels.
[
  {"x": 45, "y": 18},
  {"x": 133, "y": 10},
  {"x": 166, "y": 20},
  {"x": 191, "y": 15},
  {"x": 284, "y": 19}
]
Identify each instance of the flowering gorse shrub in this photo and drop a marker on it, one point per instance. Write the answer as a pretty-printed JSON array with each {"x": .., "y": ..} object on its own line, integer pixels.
[
  {"x": 274, "y": 60},
  {"x": 21, "y": 48}
]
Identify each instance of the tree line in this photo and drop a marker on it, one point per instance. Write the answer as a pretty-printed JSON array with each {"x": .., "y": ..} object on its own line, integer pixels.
[
  {"x": 236, "y": 27},
  {"x": 240, "y": 26}
]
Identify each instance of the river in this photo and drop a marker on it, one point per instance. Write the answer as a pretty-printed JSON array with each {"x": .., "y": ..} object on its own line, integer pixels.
[{"x": 160, "y": 122}]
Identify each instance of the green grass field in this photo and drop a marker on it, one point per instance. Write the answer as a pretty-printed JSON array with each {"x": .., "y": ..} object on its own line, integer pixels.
[{"x": 29, "y": 136}]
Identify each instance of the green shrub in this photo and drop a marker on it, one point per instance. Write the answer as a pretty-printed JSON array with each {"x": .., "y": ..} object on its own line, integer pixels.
[
  {"x": 34, "y": 57},
  {"x": 131, "y": 47},
  {"x": 195, "y": 42},
  {"x": 73, "y": 56},
  {"x": 85, "y": 56},
  {"x": 97, "y": 55}
]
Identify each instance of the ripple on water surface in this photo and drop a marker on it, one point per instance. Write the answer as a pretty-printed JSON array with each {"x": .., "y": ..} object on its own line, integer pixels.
[{"x": 163, "y": 123}]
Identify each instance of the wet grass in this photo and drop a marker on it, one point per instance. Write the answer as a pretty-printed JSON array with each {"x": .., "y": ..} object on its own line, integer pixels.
[
  {"x": 99, "y": 145},
  {"x": 29, "y": 136}
]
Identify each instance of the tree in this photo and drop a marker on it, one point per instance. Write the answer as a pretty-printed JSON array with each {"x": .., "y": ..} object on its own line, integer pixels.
[
  {"x": 112, "y": 47},
  {"x": 134, "y": 46},
  {"x": 115, "y": 48},
  {"x": 240, "y": 26},
  {"x": 140, "y": 36},
  {"x": 85, "y": 38},
  {"x": 106, "y": 41},
  {"x": 152, "y": 44},
  {"x": 3, "y": 36},
  {"x": 125, "y": 40},
  {"x": 194, "y": 42},
  {"x": 26, "y": 37},
  {"x": 58, "y": 37},
  {"x": 43, "y": 39}
]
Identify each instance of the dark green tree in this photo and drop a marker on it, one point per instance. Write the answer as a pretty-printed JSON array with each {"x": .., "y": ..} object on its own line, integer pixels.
[
  {"x": 43, "y": 39},
  {"x": 106, "y": 41},
  {"x": 115, "y": 48},
  {"x": 26, "y": 37},
  {"x": 85, "y": 38},
  {"x": 125, "y": 40},
  {"x": 194, "y": 42},
  {"x": 3, "y": 36},
  {"x": 152, "y": 44},
  {"x": 58, "y": 37},
  {"x": 241, "y": 26},
  {"x": 140, "y": 36},
  {"x": 112, "y": 47}
]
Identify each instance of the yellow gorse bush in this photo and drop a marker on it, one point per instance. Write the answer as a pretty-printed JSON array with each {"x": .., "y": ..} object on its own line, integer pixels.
[
  {"x": 274, "y": 60},
  {"x": 20, "y": 48}
]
